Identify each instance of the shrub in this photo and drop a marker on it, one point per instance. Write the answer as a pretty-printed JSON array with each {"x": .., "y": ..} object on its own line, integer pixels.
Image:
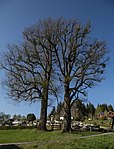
[
  {"x": 77, "y": 119},
  {"x": 103, "y": 118},
  {"x": 16, "y": 127}
]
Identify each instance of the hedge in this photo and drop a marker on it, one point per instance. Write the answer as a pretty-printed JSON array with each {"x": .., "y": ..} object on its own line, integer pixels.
[{"x": 16, "y": 127}]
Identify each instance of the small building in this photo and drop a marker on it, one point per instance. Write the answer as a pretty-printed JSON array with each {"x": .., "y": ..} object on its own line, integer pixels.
[
  {"x": 62, "y": 118},
  {"x": 110, "y": 114}
]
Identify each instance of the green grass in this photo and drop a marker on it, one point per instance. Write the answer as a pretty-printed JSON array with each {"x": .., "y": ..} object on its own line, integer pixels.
[
  {"x": 26, "y": 135},
  {"x": 69, "y": 142},
  {"x": 56, "y": 139}
]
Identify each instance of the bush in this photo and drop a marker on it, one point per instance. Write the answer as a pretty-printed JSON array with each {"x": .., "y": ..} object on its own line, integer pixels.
[
  {"x": 16, "y": 127},
  {"x": 77, "y": 119},
  {"x": 31, "y": 117},
  {"x": 103, "y": 118}
]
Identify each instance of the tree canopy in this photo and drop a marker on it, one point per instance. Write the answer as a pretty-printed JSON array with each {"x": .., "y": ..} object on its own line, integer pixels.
[{"x": 31, "y": 117}]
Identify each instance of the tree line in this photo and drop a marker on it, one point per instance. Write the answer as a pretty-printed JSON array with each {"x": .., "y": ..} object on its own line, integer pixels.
[
  {"x": 4, "y": 116},
  {"x": 56, "y": 57},
  {"x": 29, "y": 117},
  {"x": 81, "y": 111}
]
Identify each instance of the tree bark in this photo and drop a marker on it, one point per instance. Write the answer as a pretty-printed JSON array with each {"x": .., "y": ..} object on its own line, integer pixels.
[
  {"x": 67, "y": 110},
  {"x": 43, "y": 114}
]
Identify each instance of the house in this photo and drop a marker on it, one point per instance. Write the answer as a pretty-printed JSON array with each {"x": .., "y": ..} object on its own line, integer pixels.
[
  {"x": 110, "y": 114},
  {"x": 107, "y": 115},
  {"x": 62, "y": 118}
]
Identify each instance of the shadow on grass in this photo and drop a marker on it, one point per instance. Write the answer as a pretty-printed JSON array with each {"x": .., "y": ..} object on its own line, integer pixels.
[{"x": 9, "y": 147}]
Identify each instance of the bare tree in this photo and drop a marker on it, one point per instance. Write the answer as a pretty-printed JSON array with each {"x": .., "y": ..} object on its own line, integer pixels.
[
  {"x": 30, "y": 70},
  {"x": 81, "y": 61}
]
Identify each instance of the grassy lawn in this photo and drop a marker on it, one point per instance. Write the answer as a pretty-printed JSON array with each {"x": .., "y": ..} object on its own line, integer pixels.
[
  {"x": 27, "y": 135},
  {"x": 55, "y": 140}
]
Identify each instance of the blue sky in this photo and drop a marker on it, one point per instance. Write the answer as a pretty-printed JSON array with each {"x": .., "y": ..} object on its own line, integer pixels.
[{"x": 15, "y": 15}]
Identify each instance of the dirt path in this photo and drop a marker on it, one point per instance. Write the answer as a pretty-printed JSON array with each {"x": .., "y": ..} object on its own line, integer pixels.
[{"x": 102, "y": 134}]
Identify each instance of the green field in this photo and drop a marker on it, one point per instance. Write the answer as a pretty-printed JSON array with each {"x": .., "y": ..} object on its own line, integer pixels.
[{"x": 55, "y": 140}]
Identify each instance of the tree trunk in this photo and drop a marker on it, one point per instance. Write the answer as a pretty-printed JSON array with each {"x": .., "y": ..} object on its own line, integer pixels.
[
  {"x": 43, "y": 114},
  {"x": 44, "y": 102},
  {"x": 67, "y": 110}
]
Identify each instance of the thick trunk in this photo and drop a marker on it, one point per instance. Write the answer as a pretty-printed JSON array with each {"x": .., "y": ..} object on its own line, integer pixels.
[
  {"x": 43, "y": 114},
  {"x": 67, "y": 110},
  {"x": 44, "y": 103}
]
